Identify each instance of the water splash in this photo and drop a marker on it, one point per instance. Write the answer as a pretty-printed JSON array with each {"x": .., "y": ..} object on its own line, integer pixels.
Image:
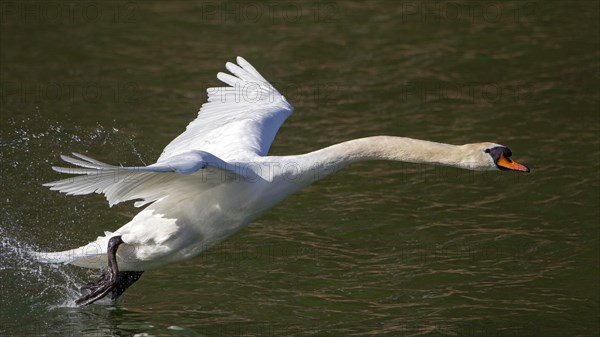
[
  {"x": 37, "y": 283},
  {"x": 28, "y": 147}
]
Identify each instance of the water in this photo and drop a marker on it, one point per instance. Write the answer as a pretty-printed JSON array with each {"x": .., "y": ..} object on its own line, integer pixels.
[{"x": 378, "y": 249}]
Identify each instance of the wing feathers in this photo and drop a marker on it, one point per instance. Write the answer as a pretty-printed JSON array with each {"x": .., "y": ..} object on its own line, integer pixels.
[
  {"x": 77, "y": 162},
  {"x": 148, "y": 183},
  {"x": 238, "y": 121},
  {"x": 241, "y": 73},
  {"x": 88, "y": 159},
  {"x": 249, "y": 68},
  {"x": 226, "y": 78}
]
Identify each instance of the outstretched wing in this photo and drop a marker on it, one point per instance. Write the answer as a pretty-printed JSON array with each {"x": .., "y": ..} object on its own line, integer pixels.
[
  {"x": 238, "y": 121},
  {"x": 193, "y": 171}
]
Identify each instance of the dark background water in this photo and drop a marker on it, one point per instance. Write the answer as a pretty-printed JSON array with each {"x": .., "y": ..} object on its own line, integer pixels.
[{"x": 378, "y": 249}]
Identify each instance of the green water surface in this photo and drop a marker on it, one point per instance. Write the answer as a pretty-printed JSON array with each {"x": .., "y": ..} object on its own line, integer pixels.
[{"x": 379, "y": 249}]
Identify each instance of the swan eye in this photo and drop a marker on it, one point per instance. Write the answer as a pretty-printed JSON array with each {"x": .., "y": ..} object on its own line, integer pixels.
[{"x": 487, "y": 151}]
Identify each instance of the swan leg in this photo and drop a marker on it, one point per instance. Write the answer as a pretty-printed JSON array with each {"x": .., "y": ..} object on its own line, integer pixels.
[{"x": 111, "y": 281}]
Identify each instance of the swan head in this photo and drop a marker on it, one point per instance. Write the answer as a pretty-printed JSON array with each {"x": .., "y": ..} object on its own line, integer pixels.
[{"x": 490, "y": 156}]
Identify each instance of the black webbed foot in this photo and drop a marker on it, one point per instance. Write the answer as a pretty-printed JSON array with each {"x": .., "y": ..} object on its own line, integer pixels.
[
  {"x": 111, "y": 281},
  {"x": 93, "y": 286},
  {"x": 125, "y": 279}
]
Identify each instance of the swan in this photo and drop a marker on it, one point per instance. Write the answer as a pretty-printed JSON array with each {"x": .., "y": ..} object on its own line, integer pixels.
[{"x": 216, "y": 177}]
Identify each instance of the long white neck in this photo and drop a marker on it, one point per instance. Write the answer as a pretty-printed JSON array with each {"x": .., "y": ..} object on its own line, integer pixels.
[
  {"x": 291, "y": 173},
  {"x": 333, "y": 158}
]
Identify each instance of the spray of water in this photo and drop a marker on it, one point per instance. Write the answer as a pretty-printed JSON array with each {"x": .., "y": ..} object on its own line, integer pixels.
[
  {"x": 31, "y": 215},
  {"x": 53, "y": 285}
]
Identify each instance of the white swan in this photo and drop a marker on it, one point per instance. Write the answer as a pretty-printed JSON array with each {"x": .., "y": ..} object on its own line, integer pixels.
[{"x": 216, "y": 177}]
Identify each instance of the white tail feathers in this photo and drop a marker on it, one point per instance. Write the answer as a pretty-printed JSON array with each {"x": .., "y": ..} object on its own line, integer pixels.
[{"x": 92, "y": 255}]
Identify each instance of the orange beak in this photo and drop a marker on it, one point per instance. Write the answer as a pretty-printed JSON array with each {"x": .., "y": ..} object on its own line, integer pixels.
[{"x": 508, "y": 164}]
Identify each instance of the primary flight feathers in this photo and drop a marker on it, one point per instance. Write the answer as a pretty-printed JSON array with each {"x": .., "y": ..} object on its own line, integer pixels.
[{"x": 238, "y": 122}]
